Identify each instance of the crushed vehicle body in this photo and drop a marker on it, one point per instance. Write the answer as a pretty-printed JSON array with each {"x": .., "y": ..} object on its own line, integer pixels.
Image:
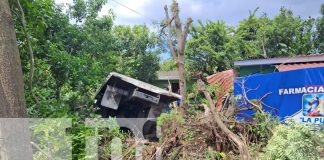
[{"x": 134, "y": 103}]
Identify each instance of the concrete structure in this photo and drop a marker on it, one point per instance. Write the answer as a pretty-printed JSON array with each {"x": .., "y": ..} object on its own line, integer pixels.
[{"x": 172, "y": 77}]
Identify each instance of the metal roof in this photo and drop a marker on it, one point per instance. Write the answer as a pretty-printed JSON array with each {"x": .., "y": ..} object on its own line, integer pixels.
[
  {"x": 114, "y": 77},
  {"x": 288, "y": 67},
  {"x": 282, "y": 60},
  {"x": 225, "y": 81}
]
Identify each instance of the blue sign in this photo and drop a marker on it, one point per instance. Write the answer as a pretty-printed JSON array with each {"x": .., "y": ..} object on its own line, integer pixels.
[{"x": 298, "y": 94}]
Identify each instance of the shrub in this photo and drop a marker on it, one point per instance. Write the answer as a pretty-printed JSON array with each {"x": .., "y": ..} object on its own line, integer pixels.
[
  {"x": 265, "y": 123},
  {"x": 172, "y": 117},
  {"x": 168, "y": 124},
  {"x": 293, "y": 141}
]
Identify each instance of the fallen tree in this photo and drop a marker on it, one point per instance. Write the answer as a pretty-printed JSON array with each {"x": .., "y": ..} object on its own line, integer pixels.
[{"x": 217, "y": 121}]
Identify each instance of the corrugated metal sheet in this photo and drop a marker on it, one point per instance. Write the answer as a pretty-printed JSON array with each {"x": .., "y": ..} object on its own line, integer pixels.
[
  {"x": 288, "y": 67},
  {"x": 225, "y": 81}
]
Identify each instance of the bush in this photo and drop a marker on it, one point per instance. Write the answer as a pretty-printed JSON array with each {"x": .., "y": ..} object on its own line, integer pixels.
[
  {"x": 265, "y": 123},
  {"x": 293, "y": 142},
  {"x": 172, "y": 117},
  {"x": 168, "y": 124}
]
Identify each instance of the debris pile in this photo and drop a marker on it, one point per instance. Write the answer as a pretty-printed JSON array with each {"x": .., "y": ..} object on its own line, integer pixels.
[{"x": 191, "y": 136}]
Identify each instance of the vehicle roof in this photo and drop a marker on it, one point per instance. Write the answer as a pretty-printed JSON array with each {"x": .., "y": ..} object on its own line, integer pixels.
[{"x": 114, "y": 77}]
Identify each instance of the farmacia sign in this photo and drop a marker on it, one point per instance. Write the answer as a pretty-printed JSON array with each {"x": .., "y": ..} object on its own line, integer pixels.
[{"x": 297, "y": 94}]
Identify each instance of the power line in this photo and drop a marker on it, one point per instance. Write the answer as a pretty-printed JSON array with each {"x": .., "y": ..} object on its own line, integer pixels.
[{"x": 151, "y": 19}]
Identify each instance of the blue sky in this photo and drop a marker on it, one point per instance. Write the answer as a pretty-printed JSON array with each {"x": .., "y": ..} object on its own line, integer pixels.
[{"x": 231, "y": 11}]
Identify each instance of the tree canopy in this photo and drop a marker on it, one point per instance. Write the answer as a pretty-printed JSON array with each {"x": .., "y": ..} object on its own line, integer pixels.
[
  {"x": 74, "y": 49},
  {"x": 217, "y": 45},
  {"x": 67, "y": 51}
]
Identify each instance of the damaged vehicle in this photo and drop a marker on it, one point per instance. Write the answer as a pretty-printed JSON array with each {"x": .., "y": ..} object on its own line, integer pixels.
[{"x": 134, "y": 103}]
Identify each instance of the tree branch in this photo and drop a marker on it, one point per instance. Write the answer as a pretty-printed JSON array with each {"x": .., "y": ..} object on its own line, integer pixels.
[
  {"x": 173, "y": 52},
  {"x": 175, "y": 14},
  {"x": 186, "y": 31},
  {"x": 31, "y": 53},
  {"x": 248, "y": 100}
]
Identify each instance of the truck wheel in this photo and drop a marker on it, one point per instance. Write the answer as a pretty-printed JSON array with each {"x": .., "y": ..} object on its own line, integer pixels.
[{"x": 149, "y": 130}]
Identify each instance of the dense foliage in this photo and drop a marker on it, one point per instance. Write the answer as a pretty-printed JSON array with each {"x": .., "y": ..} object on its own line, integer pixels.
[
  {"x": 217, "y": 45},
  {"x": 294, "y": 141},
  {"x": 71, "y": 59},
  {"x": 72, "y": 50},
  {"x": 319, "y": 35}
]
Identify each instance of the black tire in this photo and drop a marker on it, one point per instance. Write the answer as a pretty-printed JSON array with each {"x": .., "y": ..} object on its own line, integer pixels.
[{"x": 149, "y": 130}]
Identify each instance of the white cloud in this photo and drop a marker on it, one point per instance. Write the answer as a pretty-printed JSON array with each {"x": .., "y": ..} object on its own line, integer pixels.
[
  {"x": 123, "y": 11},
  {"x": 231, "y": 11},
  {"x": 196, "y": 8}
]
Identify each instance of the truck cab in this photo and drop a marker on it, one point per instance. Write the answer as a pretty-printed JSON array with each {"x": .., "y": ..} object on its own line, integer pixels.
[{"x": 134, "y": 104}]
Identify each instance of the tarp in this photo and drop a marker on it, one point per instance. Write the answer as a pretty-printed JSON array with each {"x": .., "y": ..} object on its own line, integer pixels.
[{"x": 298, "y": 94}]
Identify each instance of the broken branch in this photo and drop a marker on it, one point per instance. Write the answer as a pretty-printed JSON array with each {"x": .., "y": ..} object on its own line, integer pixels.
[
  {"x": 186, "y": 31},
  {"x": 248, "y": 100},
  {"x": 243, "y": 148},
  {"x": 174, "y": 54}
]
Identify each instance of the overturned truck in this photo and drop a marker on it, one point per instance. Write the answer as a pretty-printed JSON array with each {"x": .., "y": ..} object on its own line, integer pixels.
[{"x": 134, "y": 103}]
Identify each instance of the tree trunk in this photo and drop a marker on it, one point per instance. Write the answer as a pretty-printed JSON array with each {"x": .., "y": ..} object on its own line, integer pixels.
[
  {"x": 178, "y": 54},
  {"x": 14, "y": 135},
  {"x": 12, "y": 100},
  {"x": 182, "y": 84}
]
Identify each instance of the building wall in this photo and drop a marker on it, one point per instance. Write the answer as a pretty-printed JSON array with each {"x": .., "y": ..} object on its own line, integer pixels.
[
  {"x": 164, "y": 83},
  {"x": 260, "y": 69}
]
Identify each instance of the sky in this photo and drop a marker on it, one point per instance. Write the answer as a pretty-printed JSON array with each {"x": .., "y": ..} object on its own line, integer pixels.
[{"x": 230, "y": 11}]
